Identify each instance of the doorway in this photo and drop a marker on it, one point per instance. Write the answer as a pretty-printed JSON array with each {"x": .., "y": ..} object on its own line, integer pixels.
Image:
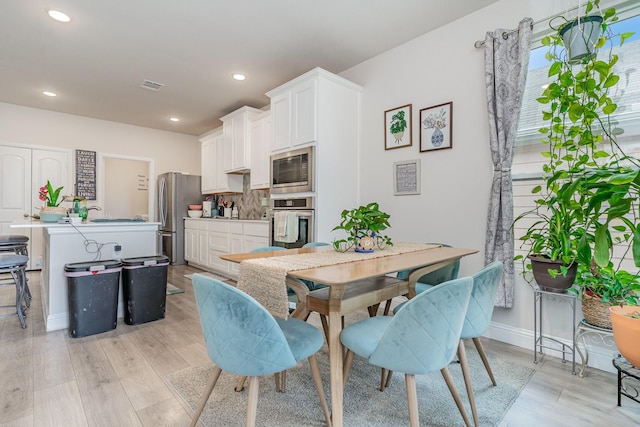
[{"x": 127, "y": 188}]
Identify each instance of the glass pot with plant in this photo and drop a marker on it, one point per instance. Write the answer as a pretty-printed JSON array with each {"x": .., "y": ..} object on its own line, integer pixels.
[
  {"x": 363, "y": 226},
  {"x": 52, "y": 199}
]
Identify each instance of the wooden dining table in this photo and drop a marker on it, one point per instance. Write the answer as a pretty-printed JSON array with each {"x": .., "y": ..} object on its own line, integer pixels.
[{"x": 354, "y": 285}]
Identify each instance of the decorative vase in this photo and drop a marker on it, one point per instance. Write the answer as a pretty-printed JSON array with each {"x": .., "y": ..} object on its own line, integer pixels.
[
  {"x": 580, "y": 37},
  {"x": 596, "y": 312},
  {"x": 437, "y": 138},
  {"x": 626, "y": 332},
  {"x": 398, "y": 137},
  {"x": 540, "y": 267},
  {"x": 365, "y": 241}
]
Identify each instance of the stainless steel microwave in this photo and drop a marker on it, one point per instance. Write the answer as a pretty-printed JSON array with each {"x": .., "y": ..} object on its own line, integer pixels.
[{"x": 292, "y": 172}]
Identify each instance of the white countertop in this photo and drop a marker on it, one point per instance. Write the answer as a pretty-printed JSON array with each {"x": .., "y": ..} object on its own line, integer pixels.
[
  {"x": 221, "y": 218},
  {"x": 36, "y": 223}
]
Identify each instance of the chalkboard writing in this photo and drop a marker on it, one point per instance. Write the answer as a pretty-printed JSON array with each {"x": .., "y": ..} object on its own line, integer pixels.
[{"x": 86, "y": 174}]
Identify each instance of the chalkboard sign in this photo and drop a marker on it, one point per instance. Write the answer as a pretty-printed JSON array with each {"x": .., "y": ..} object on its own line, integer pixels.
[{"x": 86, "y": 174}]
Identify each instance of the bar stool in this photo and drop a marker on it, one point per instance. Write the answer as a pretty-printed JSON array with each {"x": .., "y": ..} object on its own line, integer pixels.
[
  {"x": 15, "y": 266},
  {"x": 17, "y": 243}
]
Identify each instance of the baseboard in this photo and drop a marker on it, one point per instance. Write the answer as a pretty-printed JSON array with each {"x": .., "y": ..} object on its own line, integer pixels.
[{"x": 599, "y": 357}]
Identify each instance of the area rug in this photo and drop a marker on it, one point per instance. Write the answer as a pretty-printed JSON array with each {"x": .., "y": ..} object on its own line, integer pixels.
[
  {"x": 171, "y": 289},
  {"x": 364, "y": 404}
]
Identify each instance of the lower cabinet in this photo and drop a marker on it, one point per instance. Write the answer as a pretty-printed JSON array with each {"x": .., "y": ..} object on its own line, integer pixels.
[{"x": 206, "y": 240}]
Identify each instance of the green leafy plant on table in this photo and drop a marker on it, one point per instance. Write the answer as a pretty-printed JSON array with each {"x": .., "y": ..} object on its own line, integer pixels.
[{"x": 358, "y": 221}]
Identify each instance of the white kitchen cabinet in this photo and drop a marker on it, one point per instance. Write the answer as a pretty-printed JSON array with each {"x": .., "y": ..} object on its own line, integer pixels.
[
  {"x": 322, "y": 109},
  {"x": 207, "y": 172},
  {"x": 260, "y": 137},
  {"x": 294, "y": 107},
  {"x": 235, "y": 244},
  {"x": 255, "y": 235},
  {"x": 236, "y": 134},
  {"x": 214, "y": 178},
  {"x": 191, "y": 240},
  {"x": 218, "y": 245}
]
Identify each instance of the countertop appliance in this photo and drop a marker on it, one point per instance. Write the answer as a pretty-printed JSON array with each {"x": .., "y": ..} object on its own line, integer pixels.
[
  {"x": 292, "y": 172},
  {"x": 176, "y": 191}
]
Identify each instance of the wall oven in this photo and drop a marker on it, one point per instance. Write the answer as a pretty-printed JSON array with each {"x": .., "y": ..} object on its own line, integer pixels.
[
  {"x": 291, "y": 224},
  {"x": 292, "y": 172}
]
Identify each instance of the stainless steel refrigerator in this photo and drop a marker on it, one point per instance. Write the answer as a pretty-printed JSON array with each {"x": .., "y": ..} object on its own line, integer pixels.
[{"x": 176, "y": 191}]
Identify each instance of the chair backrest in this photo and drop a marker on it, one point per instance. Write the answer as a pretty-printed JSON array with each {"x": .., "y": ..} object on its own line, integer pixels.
[
  {"x": 441, "y": 275},
  {"x": 424, "y": 335},
  {"x": 241, "y": 335},
  {"x": 485, "y": 286},
  {"x": 312, "y": 244},
  {"x": 268, "y": 248}
]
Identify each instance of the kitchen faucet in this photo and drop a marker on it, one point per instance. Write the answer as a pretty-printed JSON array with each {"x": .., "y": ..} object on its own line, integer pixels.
[{"x": 94, "y": 208}]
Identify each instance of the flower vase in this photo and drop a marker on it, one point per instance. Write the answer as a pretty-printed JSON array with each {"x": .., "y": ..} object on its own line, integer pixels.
[
  {"x": 52, "y": 213},
  {"x": 437, "y": 138},
  {"x": 365, "y": 241}
]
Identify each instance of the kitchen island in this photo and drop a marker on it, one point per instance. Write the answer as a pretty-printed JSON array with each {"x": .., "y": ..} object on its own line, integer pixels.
[{"x": 88, "y": 241}]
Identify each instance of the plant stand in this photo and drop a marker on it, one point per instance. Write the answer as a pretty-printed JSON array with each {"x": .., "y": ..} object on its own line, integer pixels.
[
  {"x": 628, "y": 379},
  {"x": 596, "y": 334},
  {"x": 541, "y": 341}
]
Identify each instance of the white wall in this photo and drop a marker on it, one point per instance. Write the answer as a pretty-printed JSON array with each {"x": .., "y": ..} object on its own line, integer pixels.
[
  {"x": 33, "y": 127},
  {"x": 439, "y": 67}
]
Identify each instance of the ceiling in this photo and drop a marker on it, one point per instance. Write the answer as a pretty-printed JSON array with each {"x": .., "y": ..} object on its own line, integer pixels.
[{"x": 96, "y": 62}]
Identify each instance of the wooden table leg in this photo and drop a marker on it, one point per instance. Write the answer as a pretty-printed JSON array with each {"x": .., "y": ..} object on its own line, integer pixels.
[{"x": 335, "y": 361}]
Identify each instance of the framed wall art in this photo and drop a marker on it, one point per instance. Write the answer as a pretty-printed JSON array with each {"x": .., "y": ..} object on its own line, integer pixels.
[
  {"x": 406, "y": 177},
  {"x": 436, "y": 127},
  {"x": 397, "y": 127}
]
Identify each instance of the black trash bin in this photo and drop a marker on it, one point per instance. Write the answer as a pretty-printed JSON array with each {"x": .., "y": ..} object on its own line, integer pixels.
[
  {"x": 144, "y": 288},
  {"x": 93, "y": 296}
]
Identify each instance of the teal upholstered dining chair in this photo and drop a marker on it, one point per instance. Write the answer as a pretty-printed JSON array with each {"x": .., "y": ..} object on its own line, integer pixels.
[
  {"x": 243, "y": 338},
  {"x": 441, "y": 275},
  {"x": 476, "y": 323},
  {"x": 420, "y": 338}
]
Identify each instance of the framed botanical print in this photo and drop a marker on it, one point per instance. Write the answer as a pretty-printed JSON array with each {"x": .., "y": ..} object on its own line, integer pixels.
[
  {"x": 397, "y": 127},
  {"x": 436, "y": 127}
]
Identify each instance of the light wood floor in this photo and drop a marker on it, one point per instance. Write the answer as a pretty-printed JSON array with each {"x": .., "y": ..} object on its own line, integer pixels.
[{"x": 117, "y": 378}]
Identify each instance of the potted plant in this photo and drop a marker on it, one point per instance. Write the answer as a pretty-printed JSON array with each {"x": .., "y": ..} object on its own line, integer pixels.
[
  {"x": 363, "y": 226},
  {"x": 51, "y": 211},
  {"x": 588, "y": 203}
]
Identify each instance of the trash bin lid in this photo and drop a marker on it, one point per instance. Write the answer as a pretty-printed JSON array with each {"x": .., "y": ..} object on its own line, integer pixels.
[
  {"x": 93, "y": 265},
  {"x": 145, "y": 260}
]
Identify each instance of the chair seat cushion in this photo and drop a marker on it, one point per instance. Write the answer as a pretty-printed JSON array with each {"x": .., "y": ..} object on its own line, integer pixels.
[
  {"x": 11, "y": 260},
  {"x": 303, "y": 338},
  {"x": 362, "y": 337}
]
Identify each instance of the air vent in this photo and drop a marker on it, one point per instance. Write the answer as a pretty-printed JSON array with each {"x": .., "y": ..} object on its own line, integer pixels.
[{"x": 148, "y": 84}]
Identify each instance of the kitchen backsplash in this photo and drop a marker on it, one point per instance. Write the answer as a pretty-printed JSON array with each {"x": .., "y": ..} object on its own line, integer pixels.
[{"x": 248, "y": 203}]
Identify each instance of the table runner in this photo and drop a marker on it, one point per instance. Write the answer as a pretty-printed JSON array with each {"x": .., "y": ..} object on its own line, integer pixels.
[{"x": 265, "y": 278}]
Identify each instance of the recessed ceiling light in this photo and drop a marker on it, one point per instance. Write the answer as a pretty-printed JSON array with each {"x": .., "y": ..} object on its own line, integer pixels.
[
  {"x": 174, "y": 119},
  {"x": 46, "y": 92},
  {"x": 239, "y": 76},
  {"x": 58, "y": 15}
]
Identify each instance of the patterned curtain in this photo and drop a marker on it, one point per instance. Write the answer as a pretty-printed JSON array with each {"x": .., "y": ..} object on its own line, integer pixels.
[{"x": 506, "y": 62}]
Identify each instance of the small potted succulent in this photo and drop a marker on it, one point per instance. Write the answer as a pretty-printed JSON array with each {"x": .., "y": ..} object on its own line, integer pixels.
[{"x": 363, "y": 226}]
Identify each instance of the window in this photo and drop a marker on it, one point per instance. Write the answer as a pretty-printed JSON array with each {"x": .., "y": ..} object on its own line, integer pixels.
[{"x": 527, "y": 162}]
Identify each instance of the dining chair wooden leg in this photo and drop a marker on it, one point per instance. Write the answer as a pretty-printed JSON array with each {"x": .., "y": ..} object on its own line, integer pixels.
[
  {"x": 278, "y": 381},
  {"x": 205, "y": 395},
  {"x": 383, "y": 376},
  {"x": 346, "y": 366},
  {"x": 387, "y": 306},
  {"x": 252, "y": 401},
  {"x": 317, "y": 379},
  {"x": 456, "y": 397},
  {"x": 388, "y": 381},
  {"x": 462, "y": 357},
  {"x": 325, "y": 327},
  {"x": 283, "y": 381},
  {"x": 412, "y": 400},
  {"x": 483, "y": 356},
  {"x": 240, "y": 384}
]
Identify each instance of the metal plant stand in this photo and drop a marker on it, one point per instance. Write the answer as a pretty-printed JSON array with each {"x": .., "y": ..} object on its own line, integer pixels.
[
  {"x": 595, "y": 335},
  {"x": 628, "y": 379},
  {"x": 542, "y": 341}
]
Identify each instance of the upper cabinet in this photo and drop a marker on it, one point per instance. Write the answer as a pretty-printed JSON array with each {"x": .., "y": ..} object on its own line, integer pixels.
[
  {"x": 294, "y": 120},
  {"x": 236, "y": 134},
  {"x": 214, "y": 178},
  {"x": 260, "y": 137}
]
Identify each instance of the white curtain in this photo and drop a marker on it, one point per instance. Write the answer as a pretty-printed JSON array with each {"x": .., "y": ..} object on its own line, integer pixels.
[{"x": 506, "y": 62}]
